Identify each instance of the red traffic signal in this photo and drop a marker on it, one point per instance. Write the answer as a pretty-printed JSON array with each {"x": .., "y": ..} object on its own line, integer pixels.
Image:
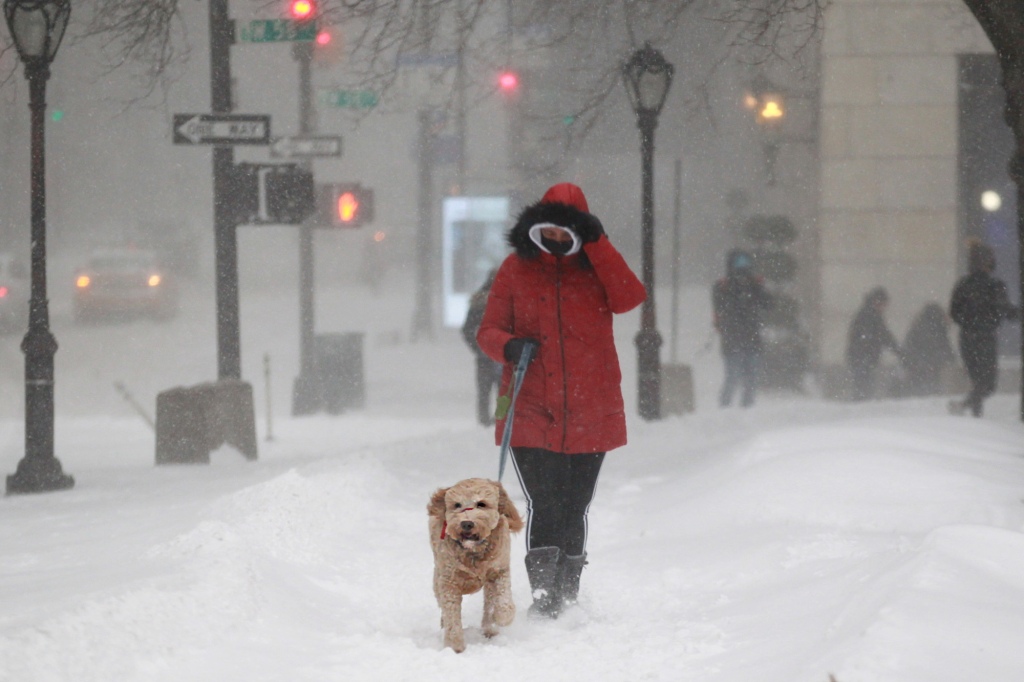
[
  {"x": 345, "y": 205},
  {"x": 301, "y": 9},
  {"x": 508, "y": 81},
  {"x": 328, "y": 47}
]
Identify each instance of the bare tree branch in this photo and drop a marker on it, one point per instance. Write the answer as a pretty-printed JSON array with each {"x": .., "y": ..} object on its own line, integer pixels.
[
  {"x": 587, "y": 39},
  {"x": 146, "y": 38}
]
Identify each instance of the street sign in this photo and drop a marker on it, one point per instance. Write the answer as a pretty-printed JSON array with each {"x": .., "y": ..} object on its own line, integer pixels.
[
  {"x": 350, "y": 99},
  {"x": 277, "y": 30},
  {"x": 306, "y": 146},
  {"x": 222, "y": 129},
  {"x": 445, "y": 59}
]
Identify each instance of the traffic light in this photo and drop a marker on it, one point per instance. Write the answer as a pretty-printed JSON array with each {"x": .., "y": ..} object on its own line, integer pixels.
[
  {"x": 508, "y": 81},
  {"x": 290, "y": 194},
  {"x": 328, "y": 46},
  {"x": 345, "y": 205},
  {"x": 301, "y": 10},
  {"x": 278, "y": 194}
]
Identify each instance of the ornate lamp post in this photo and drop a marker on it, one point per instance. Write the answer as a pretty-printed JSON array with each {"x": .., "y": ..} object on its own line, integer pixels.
[
  {"x": 768, "y": 102},
  {"x": 37, "y": 27},
  {"x": 648, "y": 76}
]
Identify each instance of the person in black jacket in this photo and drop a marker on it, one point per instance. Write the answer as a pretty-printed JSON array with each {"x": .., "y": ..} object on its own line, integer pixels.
[
  {"x": 926, "y": 351},
  {"x": 978, "y": 305},
  {"x": 488, "y": 372},
  {"x": 868, "y": 336},
  {"x": 738, "y": 299}
]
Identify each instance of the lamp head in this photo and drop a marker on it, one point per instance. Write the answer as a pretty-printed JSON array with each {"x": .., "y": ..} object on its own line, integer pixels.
[
  {"x": 37, "y": 27},
  {"x": 648, "y": 76}
]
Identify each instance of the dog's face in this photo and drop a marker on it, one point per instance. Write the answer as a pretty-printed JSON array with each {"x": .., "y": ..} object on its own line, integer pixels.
[{"x": 471, "y": 510}]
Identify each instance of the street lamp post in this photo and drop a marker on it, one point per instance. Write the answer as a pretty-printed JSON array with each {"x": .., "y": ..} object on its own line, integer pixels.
[
  {"x": 648, "y": 76},
  {"x": 37, "y": 27},
  {"x": 768, "y": 103}
]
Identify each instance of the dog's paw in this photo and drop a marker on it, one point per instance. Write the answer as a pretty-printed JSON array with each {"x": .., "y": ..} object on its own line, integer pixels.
[
  {"x": 457, "y": 644},
  {"x": 490, "y": 631}
]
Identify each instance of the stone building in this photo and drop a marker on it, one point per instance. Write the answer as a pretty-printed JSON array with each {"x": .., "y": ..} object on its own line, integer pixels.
[{"x": 910, "y": 134}]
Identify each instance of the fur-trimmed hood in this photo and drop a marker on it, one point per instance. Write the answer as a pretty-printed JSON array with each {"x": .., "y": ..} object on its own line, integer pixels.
[{"x": 563, "y": 205}]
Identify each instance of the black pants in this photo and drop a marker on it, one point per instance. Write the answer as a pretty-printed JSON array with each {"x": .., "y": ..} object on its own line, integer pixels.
[
  {"x": 981, "y": 357},
  {"x": 558, "y": 489},
  {"x": 863, "y": 374}
]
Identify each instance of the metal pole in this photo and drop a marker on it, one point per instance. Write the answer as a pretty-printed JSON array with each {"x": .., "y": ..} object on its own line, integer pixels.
[
  {"x": 648, "y": 340},
  {"x": 460, "y": 112},
  {"x": 229, "y": 354},
  {"x": 307, "y": 391},
  {"x": 1017, "y": 174},
  {"x": 266, "y": 381},
  {"x": 39, "y": 470},
  {"x": 422, "y": 323},
  {"x": 676, "y": 256}
]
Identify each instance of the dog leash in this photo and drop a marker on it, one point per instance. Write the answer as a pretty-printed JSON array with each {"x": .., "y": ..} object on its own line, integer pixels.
[{"x": 506, "y": 436}]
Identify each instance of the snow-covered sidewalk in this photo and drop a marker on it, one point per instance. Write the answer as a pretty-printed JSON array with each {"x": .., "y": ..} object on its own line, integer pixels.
[{"x": 785, "y": 543}]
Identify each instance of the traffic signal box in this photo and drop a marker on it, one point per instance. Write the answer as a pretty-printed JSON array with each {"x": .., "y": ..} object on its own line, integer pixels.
[
  {"x": 345, "y": 205},
  {"x": 281, "y": 194},
  {"x": 290, "y": 195}
]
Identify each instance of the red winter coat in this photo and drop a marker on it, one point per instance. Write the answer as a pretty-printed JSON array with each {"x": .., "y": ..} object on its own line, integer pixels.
[{"x": 571, "y": 398}]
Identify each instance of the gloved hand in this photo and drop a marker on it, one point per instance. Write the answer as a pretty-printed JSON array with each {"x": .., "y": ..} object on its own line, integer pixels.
[
  {"x": 589, "y": 228},
  {"x": 514, "y": 348}
]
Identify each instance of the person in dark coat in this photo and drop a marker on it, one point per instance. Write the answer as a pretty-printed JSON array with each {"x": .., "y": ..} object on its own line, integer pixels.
[
  {"x": 738, "y": 300},
  {"x": 978, "y": 305},
  {"x": 558, "y": 291},
  {"x": 488, "y": 372},
  {"x": 868, "y": 336},
  {"x": 926, "y": 351}
]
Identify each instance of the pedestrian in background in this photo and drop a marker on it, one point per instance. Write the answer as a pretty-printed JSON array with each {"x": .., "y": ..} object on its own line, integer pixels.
[
  {"x": 488, "y": 372},
  {"x": 738, "y": 300},
  {"x": 868, "y": 336},
  {"x": 979, "y": 304},
  {"x": 926, "y": 352},
  {"x": 557, "y": 292}
]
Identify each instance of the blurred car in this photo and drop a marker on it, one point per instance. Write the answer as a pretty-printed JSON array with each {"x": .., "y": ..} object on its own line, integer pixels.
[
  {"x": 15, "y": 288},
  {"x": 121, "y": 283}
]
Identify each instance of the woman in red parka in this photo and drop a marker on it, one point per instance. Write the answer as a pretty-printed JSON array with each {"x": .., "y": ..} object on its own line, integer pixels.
[{"x": 559, "y": 290}]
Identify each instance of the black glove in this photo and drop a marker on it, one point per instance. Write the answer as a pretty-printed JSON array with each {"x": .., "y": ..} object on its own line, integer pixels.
[
  {"x": 589, "y": 228},
  {"x": 514, "y": 348}
]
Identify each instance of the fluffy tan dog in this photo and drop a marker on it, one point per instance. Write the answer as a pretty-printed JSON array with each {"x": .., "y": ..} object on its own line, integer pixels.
[{"x": 470, "y": 524}]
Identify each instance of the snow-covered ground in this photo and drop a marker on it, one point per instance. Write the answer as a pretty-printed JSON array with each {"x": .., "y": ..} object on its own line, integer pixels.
[{"x": 877, "y": 542}]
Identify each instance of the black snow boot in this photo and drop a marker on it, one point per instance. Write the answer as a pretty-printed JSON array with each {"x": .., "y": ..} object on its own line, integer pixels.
[
  {"x": 572, "y": 566},
  {"x": 543, "y": 566}
]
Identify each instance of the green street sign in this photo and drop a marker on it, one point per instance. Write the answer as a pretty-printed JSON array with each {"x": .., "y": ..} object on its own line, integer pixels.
[
  {"x": 277, "y": 31},
  {"x": 350, "y": 99}
]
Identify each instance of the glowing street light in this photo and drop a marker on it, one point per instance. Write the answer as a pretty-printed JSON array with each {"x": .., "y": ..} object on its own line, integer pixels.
[{"x": 991, "y": 201}]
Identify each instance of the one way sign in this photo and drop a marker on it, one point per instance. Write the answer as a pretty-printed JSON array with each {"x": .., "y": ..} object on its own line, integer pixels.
[{"x": 222, "y": 129}]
